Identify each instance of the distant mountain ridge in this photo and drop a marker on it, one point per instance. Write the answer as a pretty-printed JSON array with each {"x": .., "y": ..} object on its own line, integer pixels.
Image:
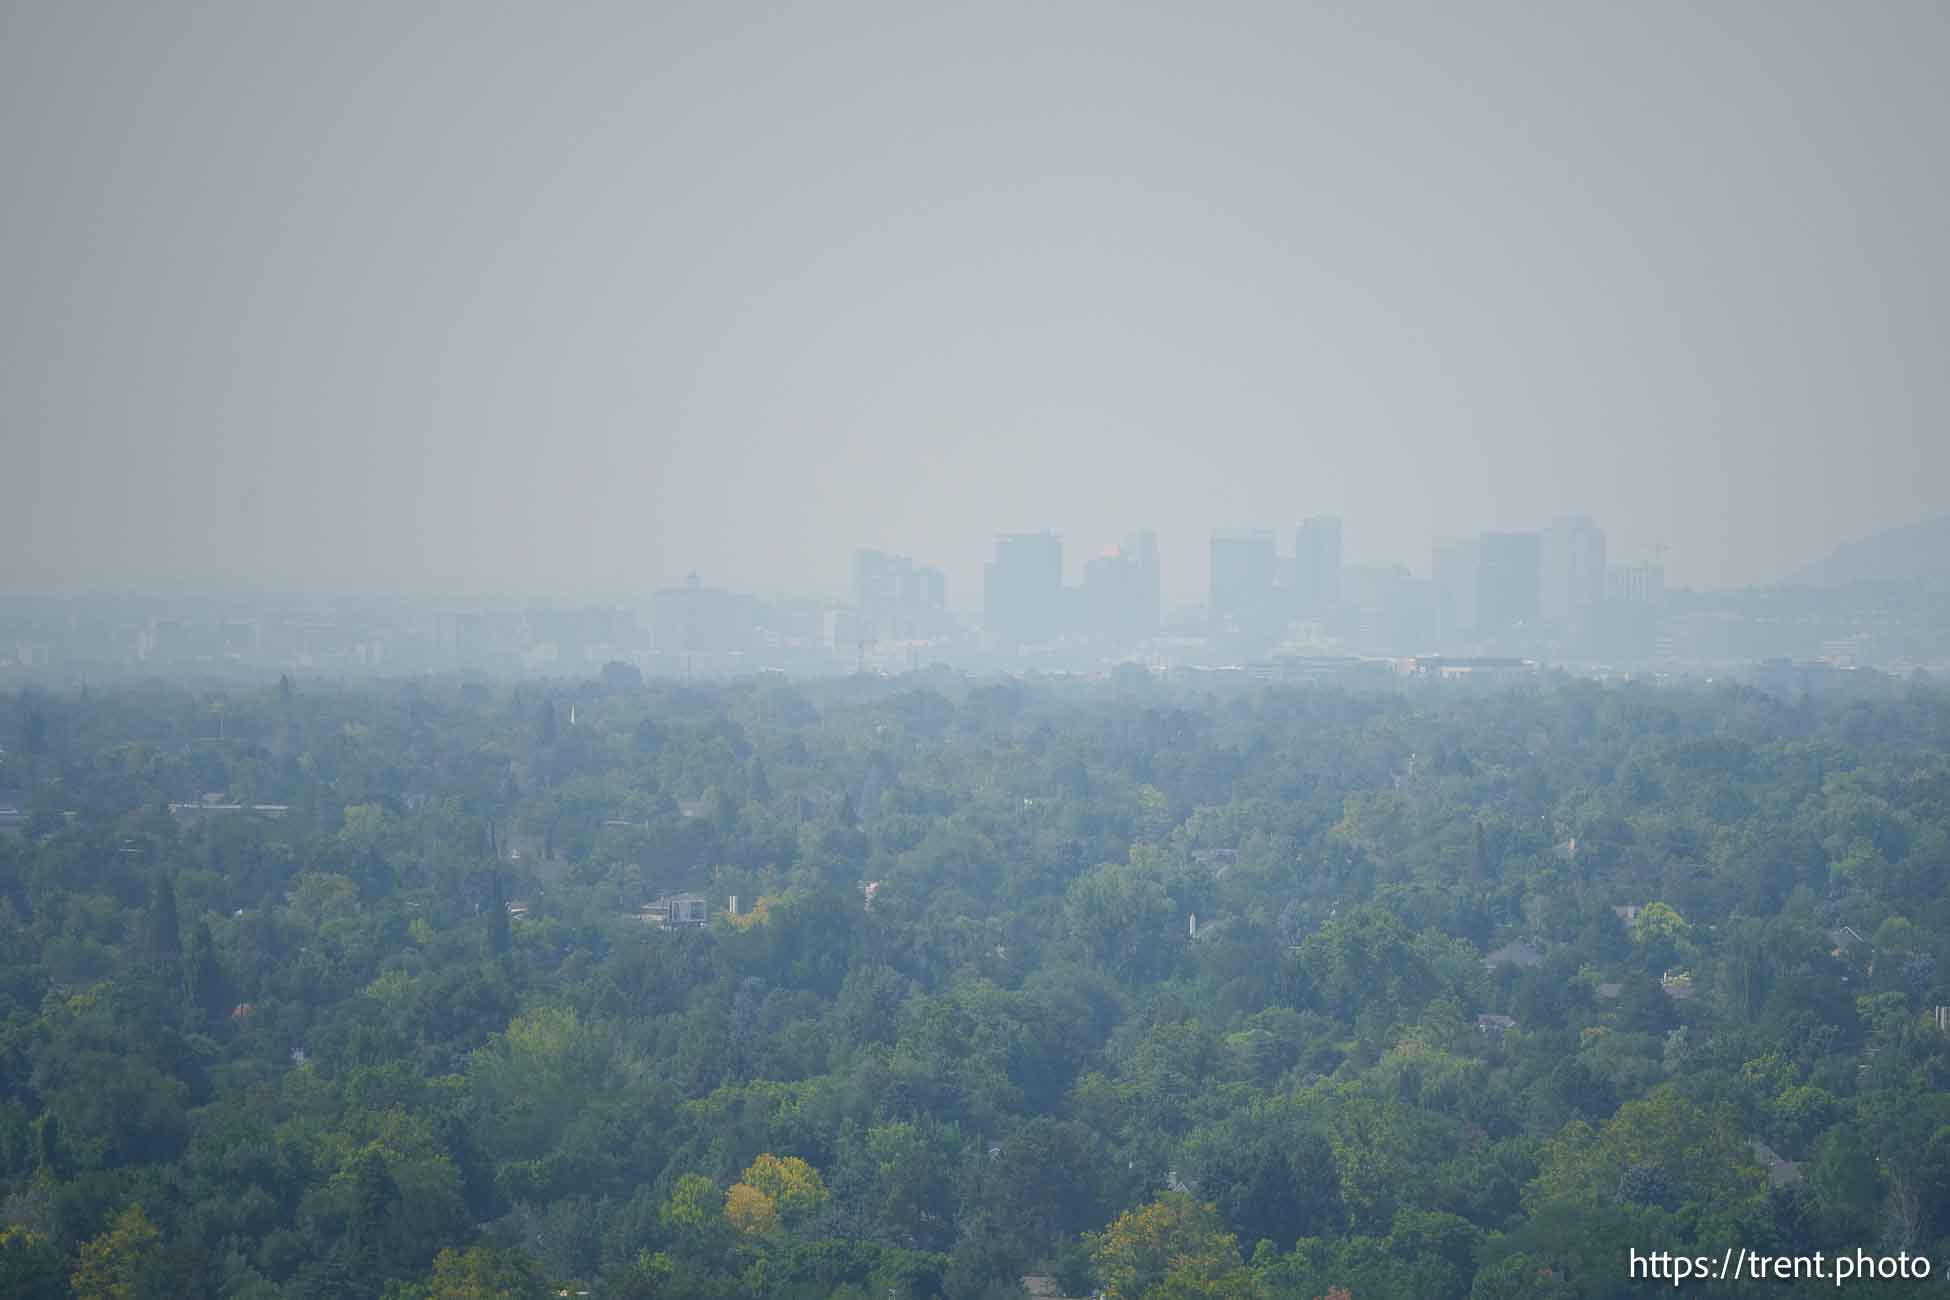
[{"x": 1915, "y": 553}]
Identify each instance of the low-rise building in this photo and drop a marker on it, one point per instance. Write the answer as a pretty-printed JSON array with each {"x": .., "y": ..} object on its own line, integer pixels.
[
  {"x": 195, "y": 814},
  {"x": 1520, "y": 953},
  {"x": 673, "y": 911},
  {"x": 1494, "y": 1026}
]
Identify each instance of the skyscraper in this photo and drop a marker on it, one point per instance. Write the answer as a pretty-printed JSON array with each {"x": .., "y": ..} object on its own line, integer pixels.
[
  {"x": 1141, "y": 551},
  {"x": 1574, "y": 569},
  {"x": 1509, "y": 580},
  {"x": 896, "y": 599},
  {"x": 1244, "y": 566},
  {"x": 1022, "y": 590},
  {"x": 1317, "y": 566},
  {"x": 1456, "y": 568},
  {"x": 1120, "y": 597}
]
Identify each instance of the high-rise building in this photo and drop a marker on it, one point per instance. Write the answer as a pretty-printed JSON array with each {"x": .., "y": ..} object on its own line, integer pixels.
[
  {"x": 1022, "y": 590},
  {"x": 1456, "y": 569},
  {"x": 1104, "y": 603},
  {"x": 1628, "y": 622},
  {"x": 896, "y": 599},
  {"x": 1574, "y": 569},
  {"x": 1120, "y": 596},
  {"x": 1509, "y": 580},
  {"x": 1244, "y": 569},
  {"x": 1317, "y": 566},
  {"x": 1140, "y": 550}
]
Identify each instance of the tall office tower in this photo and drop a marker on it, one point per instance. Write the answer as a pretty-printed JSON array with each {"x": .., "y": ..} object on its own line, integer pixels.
[
  {"x": 1244, "y": 566},
  {"x": 1022, "y": 591},
  {"x": 1456, "y": 568},
  {"x": 1103, "y": 605},
  {"x": 1509, "y": 580},
  {"x": 1140, "y": 552},
  {"x": 1574, "y": 569},
  {"x": 1317, "y": 566},
  {"x": 1120, "y": 597},
  {"x": 1628, "y": 622},
  {"x": 897, "y": 600}
]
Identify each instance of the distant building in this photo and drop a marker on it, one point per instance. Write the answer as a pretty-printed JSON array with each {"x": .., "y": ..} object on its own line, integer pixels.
[
  {"x": 1350, "y": 672},
  {"x": 1509, "y": 580},
  {"x": 1243, "y": 575},
  {"x": 1022, "y": 592},
  {"x": 1845, "y": 941},
  {"x": 195, "y": 814},
  {"x": 1456, "y": 568},
  {"x": 1494, "y": 1026},
  {"x": 1637, "y": 584},
  {"x": 1574, "y": 572},
  {"x": 1120, "y": 599},
  {"x": 897, "y": 600},
  {"x": 1781, "y": 1172},
  {"x": 1140, "y": 552},
  {"x": 1317, "y": 566},
  {"x": 674, "y": 911},
  {"x": 1479, "y": 668},
  {"x": 695, "y": 619},
  {"x": 1520, "y": 953},
  {"x": 1388, "y": 609}
]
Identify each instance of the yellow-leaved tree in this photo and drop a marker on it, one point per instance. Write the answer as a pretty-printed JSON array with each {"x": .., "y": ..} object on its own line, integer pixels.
[
  {"x": 1172, "y": 1246},
  {"x": 478, "y": 1273},
  {"x": 750, "y": 1210},
  {"x": 772, "y": 1193},
  {"x": 112, "y": 1263}
]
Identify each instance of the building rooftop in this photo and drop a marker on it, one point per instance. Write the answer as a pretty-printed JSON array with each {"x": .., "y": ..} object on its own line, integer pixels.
[{"x": 1518, "y": 952}]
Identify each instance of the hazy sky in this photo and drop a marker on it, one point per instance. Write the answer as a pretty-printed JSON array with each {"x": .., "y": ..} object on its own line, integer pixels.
[{"x": 579, "y": 298}]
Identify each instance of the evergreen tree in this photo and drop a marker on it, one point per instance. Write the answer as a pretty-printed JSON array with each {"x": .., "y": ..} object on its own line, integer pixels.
[
  {"x": 499, "y": 938},
  {"x": 374, "y": 1197},
  {"x": 47, "y": 1144},
  {"x": 207, "y": 989},
  {"x": 34, "y": 732},
  {"x": 164, "y": 937}
]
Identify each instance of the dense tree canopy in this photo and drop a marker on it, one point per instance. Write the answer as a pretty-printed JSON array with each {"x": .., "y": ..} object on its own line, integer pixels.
[{"x": 1157, "y": 990}]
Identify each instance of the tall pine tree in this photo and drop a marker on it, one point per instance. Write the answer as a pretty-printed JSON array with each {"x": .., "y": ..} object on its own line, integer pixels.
[
  {"x": 164, "y": 937},
  {"x": 499, "y": 940},
  {"x": 203, "y": 975}
]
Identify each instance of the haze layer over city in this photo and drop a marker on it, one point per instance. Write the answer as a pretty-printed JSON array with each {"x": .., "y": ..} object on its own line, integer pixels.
[
  {"x": 1282, "y": 650},
  {"x": 468, "y": 302}
]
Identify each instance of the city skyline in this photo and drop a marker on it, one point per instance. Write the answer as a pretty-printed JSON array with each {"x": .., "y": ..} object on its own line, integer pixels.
[{"x": 541, "y": 302}]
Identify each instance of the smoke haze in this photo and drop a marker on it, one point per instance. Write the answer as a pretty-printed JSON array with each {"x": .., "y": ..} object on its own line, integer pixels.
[{"x": 468, "y": 298}]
